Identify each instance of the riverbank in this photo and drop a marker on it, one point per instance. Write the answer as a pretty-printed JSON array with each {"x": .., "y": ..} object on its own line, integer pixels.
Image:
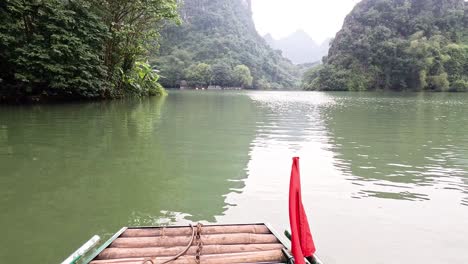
[
  {"x": 41, "y": 99},
  {"x": 62, "y": 99}
]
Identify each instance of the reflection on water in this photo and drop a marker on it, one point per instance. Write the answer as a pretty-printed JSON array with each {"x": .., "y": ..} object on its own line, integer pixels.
[
  {"x": 378, "y": 172},
  {"x": 290, "y": 124},
  {"x": 71, "y": 171},
  {"x": 290, "y": 120},
  {"x": 400, "y": 142},
  {"x": 410, "y": 196},
  {"x": 383, "y": 175}
]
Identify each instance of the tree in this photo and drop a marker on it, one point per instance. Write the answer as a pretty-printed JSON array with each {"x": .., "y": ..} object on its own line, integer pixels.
[
  {"x": 242, "y": 76},
  {"x": 51, "y": 47},
  {"x": 199, "y": 75},
  {"x": 222, "y": 74},
  {"x": 173, "y": 68},
  {"x": 439, "y": 83},
  {"x": 460, "y": 86},
  {"x": 308, "y": 80},
  {"x": 132, "y": 24},
  {"x": 78, "y": 48}
]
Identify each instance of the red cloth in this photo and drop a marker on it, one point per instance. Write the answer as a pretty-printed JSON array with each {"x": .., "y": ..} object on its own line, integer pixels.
[{"x": 301, "y": 237}]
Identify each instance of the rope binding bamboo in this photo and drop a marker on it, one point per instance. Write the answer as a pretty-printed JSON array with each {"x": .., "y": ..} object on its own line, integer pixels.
[{"x": 196, "y": 234}]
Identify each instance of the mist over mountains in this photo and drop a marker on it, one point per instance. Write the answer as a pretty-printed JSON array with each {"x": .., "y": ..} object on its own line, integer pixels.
[{"x": 299, "y": 47}]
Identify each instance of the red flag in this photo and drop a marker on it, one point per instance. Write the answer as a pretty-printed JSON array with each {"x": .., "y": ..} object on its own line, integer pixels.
[{"x": 301, "y": 237}]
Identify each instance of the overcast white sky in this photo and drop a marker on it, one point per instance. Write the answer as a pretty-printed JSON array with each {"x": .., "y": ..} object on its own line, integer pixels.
[{"x": 320, "y": 18}]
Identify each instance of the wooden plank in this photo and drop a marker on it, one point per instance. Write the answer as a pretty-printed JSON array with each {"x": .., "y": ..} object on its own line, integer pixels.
[
  {"x": 116, "y": 253},
  {"x": 186, "y": 231},
  {"x": 249, "y": 257},
  {"x": 231, "y": 239},
  {"x": 282, "y": 239}
]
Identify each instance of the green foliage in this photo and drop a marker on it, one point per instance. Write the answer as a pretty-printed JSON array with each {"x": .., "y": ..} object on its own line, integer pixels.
[
  {"x": 199, "y": 75},
  {"x": 79, "y": 48},
  {"x": 460, "y": 86},
  {"x": 242, "y": 76},
  {"x": 439, "y": 82},
  {"x": 174, "y": 69},
  {"x": 397, "y": 45},
  {"x": 142, "y": 80},
  {"x": 309, "y": 78},
  {"x": 222, "y": 74},
  {"x": 133, "y": 27},
  {"x": 221, "y": 33},
  {"x": 51, "y": 47}
]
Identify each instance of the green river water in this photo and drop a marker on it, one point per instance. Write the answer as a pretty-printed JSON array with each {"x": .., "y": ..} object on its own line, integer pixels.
[{"x": 384, "y": 176}]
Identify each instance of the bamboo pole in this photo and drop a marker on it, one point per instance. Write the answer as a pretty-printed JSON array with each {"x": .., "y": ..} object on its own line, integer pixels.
[
  {"x": 230, "y": 239},
  {"x": 118, "y": 253},
  {"x": 250, "y": 257},
  {"x": 186, "y": 231}
]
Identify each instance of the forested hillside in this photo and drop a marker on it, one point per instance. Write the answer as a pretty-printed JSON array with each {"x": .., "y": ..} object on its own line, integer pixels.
[
  {"x": 398, "y": 45},
  {"x": 299, "y": 47},
  {"x": 79, "y": 49},
  {"x": 217, "y": 44}
]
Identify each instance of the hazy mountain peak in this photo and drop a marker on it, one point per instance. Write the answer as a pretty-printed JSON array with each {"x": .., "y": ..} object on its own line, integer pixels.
[
  {"x": 300, "y": 36},
  {"x": 300, "y": 32},
  {"x": 299, "y": 47}
]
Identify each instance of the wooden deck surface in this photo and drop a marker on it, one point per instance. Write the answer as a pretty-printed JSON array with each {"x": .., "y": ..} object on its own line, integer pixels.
[{"x": 217, "y": 244}]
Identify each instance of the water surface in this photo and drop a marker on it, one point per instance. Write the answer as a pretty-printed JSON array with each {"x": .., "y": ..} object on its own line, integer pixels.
[{"x": 385, "y": 176}]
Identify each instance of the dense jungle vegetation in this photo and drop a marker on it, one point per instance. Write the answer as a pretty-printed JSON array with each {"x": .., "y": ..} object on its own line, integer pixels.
[
  {"x": 217, "y": 44},
  {"x": 398, "y": 45},
  {"x": 79, "y": 48},
  {"x": 116, "y": 48}
]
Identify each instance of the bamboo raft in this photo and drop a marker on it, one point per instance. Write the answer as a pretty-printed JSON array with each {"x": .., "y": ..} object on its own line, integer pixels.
[{"x": 209, "y": 244}]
